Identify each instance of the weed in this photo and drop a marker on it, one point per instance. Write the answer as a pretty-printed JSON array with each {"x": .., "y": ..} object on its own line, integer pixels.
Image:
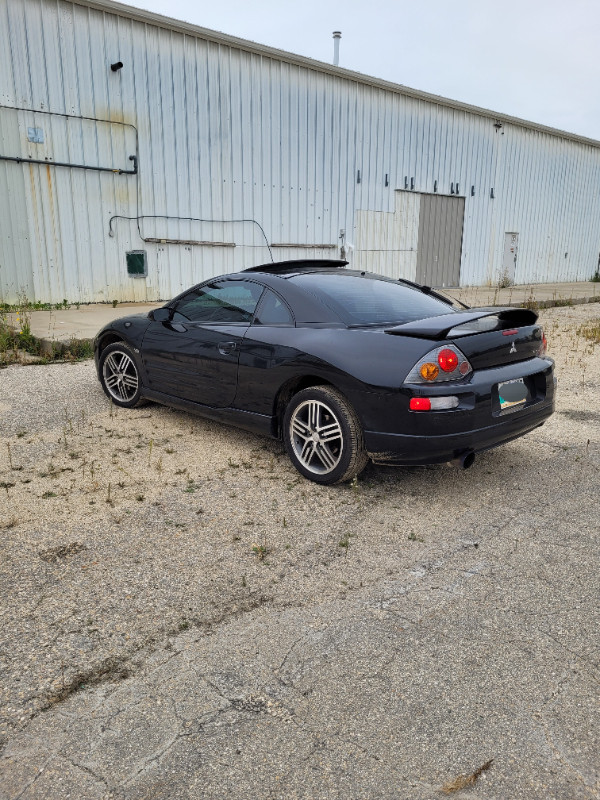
[
  {"x": 504, "y": 281},
  {"x": 183, "y": 625},
  {"x": 115, "y": 303},
  {"x": 6, "y": 485},
  {"x": 140, "y": 497},
  {"x": 232, "y": 464},
  {"x": 47, "y": 495},
  {"x": 21, "y": 434},
  {"x": 591, "y": 331},
  {"x": 412, "y": 537},
  {"x": 596, "y": 276},
  {"x": 345, "y": 541},
  {"x": 261, "y": 550},
  {"x": 531, "y": 303}
]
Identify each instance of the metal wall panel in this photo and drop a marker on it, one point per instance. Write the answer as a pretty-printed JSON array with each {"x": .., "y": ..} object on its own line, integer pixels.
[
  {"x": 233, "y": 141},
  {"x": 388, "y": 242}
]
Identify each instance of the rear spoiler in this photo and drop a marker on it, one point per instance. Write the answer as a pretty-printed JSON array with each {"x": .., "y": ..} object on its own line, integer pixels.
[{"x": 439, "y": 327}]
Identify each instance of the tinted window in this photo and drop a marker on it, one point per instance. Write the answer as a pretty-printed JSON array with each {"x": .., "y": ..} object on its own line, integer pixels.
[
  {"x": 222, "y": 301},
  {"x": 273, "y": 311},
  {"x": 371, "y": 301}
]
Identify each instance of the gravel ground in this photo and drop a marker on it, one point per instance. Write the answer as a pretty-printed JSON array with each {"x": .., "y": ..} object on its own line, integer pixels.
[{"x": 124, "y": 532}]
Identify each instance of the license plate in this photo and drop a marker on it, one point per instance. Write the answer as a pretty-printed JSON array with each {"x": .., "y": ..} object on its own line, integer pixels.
[{"x": 512, "y": 393}]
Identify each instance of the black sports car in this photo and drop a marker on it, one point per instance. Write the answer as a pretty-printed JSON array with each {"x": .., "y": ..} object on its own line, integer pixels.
[{"x": 344, "y": 366}]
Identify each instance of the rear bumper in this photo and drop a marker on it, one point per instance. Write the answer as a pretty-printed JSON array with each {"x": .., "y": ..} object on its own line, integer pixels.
[{"x": 430, "y": 446}]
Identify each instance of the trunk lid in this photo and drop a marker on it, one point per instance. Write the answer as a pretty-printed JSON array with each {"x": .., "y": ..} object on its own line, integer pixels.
[{"x": 488, "y": 337}]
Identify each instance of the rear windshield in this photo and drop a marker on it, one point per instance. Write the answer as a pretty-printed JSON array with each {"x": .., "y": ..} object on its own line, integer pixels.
[{"x": 361, "y": 300}]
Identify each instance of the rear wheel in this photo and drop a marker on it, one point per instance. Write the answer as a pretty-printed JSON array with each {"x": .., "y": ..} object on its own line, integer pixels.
[
  {"x": 119, "y": 375},
  {"x": 323, "y": 437}
]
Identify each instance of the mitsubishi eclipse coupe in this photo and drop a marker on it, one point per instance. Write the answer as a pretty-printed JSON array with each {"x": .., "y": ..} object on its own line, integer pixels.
[{"x": 343, "y": 366}]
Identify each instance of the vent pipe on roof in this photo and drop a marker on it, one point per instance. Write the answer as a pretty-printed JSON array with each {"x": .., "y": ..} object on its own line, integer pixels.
[{"x": 337, "y": 35}]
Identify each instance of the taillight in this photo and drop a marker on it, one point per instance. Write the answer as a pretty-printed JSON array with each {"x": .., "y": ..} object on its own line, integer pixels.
[
  {"x": 429, "y": 371},
  {"x": 543, "y": 345},
  {"x": 448, "y": 359},
  {"x": 445, "y": 363},
  {"x": 433, "y": 403},
  {"x": 420, "y": 404}
]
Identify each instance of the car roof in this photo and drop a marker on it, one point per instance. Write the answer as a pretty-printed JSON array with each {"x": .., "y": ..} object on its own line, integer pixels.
[{"x": 306, "y": 306}]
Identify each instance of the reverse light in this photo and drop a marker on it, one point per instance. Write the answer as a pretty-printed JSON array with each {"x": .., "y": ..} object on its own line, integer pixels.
[
  {"x": 446, "y": 363},
  {"x": 433, "y": 403}
]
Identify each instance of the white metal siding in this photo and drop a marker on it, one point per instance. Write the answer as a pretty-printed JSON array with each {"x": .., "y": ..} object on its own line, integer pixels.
[{"x": 227, "y": 134}]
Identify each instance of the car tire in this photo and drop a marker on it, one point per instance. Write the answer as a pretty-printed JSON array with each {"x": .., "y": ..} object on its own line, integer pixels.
[
  {"x": 120, "y": 375},
  {"x": 323, "y": 437}
]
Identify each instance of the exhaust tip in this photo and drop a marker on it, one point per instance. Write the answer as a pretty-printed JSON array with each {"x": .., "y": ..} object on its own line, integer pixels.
[{"x": 465, "y": 460}]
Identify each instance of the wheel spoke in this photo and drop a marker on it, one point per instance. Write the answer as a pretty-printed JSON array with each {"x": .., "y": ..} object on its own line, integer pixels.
[
  {"x": 313, "y": 415},
  {"x": 308, "y": 450},
  {"x": 111, "y": 363},
  {"x": 130, "y": 381},
  {"x": 325, "y": 456},
  {"x": 330, "y": 432},
  {"x": 111, "y": 380},
  {"x": 300, "y": 429}
]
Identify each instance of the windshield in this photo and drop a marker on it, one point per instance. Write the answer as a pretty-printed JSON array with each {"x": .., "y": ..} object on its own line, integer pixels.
[{"x": 369, "y": 300}]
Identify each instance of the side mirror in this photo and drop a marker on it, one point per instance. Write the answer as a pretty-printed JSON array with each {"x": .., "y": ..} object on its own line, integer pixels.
[{"x": 161, "y": 314}]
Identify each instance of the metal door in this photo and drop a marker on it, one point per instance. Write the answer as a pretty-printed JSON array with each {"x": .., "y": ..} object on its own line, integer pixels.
[
  {"x": 509, "y": 261},
  {"x": 440, "y": 240}
]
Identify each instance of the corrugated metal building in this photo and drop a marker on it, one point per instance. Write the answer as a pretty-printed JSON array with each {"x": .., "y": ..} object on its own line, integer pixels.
[{"x": 203, "y": 153}]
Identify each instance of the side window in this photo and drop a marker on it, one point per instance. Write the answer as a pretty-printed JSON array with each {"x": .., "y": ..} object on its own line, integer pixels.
[
  {"x": 273, "y": 311},
  {"x": 221, "y": 301}
]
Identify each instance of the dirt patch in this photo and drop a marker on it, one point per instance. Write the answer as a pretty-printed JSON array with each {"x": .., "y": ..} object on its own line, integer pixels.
[{"x": 61, "y": 551}]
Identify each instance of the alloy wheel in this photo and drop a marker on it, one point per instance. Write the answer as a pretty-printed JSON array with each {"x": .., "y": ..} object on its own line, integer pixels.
[
  {"x": 120, "y": 376},
  {"x": 316, "y": 437}
]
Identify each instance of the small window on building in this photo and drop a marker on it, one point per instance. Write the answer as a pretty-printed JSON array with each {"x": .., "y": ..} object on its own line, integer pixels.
[{"x": 137, "y": 265}]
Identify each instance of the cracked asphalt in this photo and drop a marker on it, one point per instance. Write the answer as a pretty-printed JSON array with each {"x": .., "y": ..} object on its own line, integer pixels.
[{"x": 395, "y": 638}]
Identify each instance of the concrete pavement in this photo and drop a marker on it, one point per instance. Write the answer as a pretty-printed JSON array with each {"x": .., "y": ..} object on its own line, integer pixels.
[{"x": 85, "y": 321}]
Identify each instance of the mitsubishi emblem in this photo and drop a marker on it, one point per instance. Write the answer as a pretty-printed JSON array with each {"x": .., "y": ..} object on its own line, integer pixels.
[{"x": 513, "y": 349}]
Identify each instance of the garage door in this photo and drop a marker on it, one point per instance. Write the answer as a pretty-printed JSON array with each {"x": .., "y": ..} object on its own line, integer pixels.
[{"x": 440, "y": 240}]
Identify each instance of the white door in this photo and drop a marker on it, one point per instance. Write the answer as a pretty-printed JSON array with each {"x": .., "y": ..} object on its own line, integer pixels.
[{"x": 509, "y": 262}]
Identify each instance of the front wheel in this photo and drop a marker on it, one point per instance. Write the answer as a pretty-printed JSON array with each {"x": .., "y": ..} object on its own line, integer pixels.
[
  {"x": 119, "y": 375},
  {"x": 323, "y": 437}
]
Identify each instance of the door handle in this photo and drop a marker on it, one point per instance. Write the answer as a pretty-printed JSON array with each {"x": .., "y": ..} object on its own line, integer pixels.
[{"x": 225, "y": 348}]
